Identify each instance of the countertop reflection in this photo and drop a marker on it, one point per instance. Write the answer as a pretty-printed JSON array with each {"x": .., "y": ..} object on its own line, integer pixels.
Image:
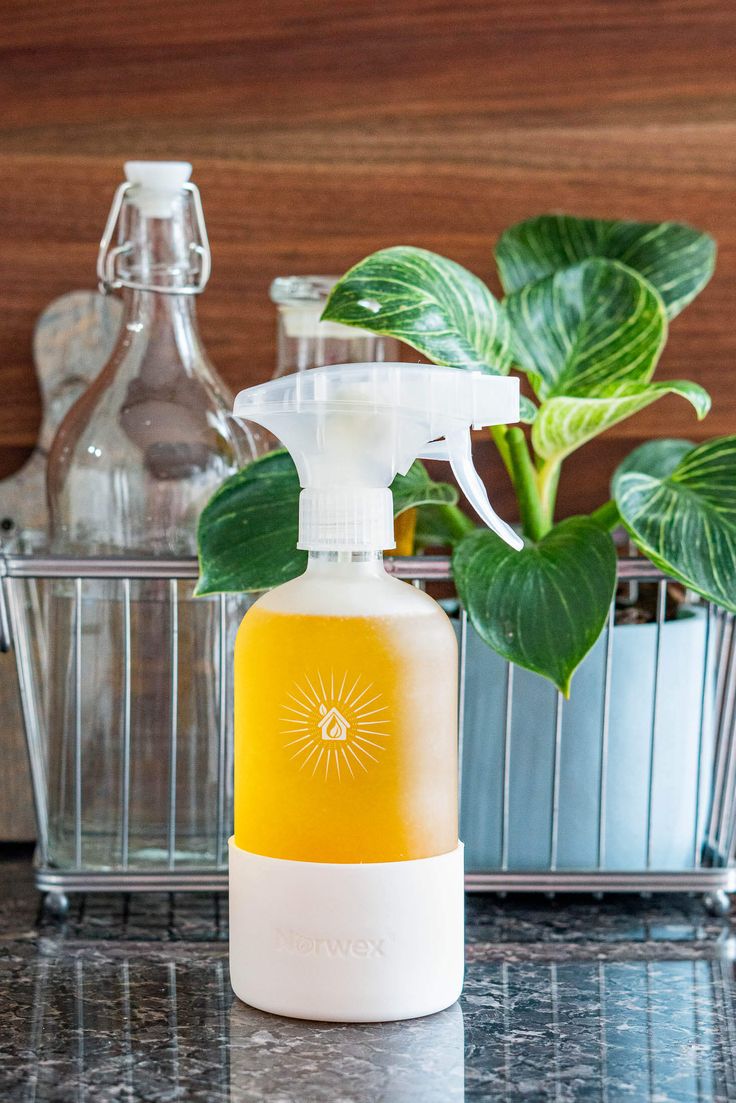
[{"x": 564, "y": 1000}]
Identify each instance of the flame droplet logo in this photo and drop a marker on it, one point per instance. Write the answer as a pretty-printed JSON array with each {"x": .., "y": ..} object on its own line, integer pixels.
[{"x": 335, "y": 727}]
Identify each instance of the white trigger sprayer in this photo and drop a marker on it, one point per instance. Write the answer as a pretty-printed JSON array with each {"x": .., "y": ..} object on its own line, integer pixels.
[{"x": 351, "y": 428}]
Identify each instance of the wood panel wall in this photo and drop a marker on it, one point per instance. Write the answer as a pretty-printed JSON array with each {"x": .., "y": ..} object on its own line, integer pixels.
[{"x": 320, "y": 131}]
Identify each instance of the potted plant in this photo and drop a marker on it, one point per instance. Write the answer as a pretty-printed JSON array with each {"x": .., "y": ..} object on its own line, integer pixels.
[{"x": 585, "y": 319}]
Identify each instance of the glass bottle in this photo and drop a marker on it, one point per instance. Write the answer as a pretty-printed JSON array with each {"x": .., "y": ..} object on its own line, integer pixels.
[
  {"x": 303, "y": 341},
  {"x": 346, "y": 719},
  {"x": 135, "y": 754}
]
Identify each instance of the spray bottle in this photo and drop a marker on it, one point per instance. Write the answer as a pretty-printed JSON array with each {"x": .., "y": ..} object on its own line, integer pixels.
[{"x": 346, "y": 873}]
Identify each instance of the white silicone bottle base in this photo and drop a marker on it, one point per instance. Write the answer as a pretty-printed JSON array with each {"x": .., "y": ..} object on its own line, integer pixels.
[{"x": 369, "y": 942}]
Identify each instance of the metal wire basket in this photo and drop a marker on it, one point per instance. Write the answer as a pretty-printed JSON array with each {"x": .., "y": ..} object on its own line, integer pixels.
[{"x": 710, "y": 815}]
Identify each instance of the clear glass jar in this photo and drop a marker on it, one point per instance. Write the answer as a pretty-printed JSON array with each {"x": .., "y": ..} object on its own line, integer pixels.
[
  {"x": 135, "y": 766},
  {"x": 304, "y": 342}
]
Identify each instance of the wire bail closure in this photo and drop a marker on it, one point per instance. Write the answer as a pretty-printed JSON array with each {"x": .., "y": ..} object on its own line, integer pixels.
[{"x": 108, "y": 275}]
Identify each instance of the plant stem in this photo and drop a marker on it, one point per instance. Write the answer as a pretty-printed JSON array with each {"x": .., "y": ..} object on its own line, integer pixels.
[
  {"x": 525, "y": 480},
  {"x": 458, "y": 523},
  {"x": 607, "y": 516},
  {"x": 498, "y": 433},
  {"x": 548, "y": 477}
]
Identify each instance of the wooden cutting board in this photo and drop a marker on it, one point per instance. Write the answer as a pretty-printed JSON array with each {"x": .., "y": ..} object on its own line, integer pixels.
[{"x": 72, "y": 340}]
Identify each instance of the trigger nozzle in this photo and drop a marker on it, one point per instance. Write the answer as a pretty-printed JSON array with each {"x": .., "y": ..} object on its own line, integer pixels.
[{"x": 461, "y": 461}]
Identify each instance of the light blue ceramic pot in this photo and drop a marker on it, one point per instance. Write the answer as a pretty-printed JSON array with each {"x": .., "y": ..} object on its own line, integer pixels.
[{"x": 678, "y": 755}]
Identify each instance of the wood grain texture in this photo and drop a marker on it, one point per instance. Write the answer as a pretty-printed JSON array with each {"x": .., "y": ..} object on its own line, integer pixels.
[{"x": 322, "y": 132}]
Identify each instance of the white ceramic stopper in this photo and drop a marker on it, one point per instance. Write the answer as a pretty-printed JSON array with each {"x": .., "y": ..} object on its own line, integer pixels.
[{"x": 159, "y": 184}]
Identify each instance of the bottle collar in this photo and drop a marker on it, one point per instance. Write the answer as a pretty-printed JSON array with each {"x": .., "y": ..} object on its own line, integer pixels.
[{"x": 346, "y": 519}]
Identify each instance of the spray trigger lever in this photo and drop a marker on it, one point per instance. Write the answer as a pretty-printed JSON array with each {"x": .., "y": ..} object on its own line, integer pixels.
[{"x": 456, "y": 448}]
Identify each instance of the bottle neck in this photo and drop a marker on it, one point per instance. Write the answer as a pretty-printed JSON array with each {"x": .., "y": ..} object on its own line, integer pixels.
[
  {"x": 159, "y": 343},
  {"x": 161, "y": 325},
  {"x": 168, "y": 316},
  {"x": 346, "y": 563},
  {"x": 158, "y": 253}
]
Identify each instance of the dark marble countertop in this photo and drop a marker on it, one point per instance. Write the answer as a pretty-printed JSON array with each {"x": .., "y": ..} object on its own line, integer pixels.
[{"x": 564, "y": 1000}]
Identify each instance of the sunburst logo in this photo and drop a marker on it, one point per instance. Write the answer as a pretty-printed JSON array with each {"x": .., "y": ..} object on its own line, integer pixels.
[{"x": 335, "y": 726}]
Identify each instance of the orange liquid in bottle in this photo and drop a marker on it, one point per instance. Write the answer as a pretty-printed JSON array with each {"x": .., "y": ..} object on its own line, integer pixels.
[{"x": 346, "y": 736}]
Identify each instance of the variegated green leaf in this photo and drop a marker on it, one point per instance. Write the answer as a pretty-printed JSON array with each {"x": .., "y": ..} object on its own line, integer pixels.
[
  {"x": 587, "y": 329},
  {"x": 544, "y": 606},
  {"x": 427, "y": 301},
  {"x": 564, "y": 424},
  {"x": 685, "y": 521},
  {"x": 657, "y": 457},
  {"x": 527, "y": 410},
  {"x": 248, "y": 530},
  {"x": 675, "y": 258}
]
